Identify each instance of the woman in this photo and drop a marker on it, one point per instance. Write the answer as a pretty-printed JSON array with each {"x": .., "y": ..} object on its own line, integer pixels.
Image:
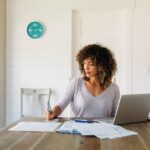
[{"x": 93, "y": 95}]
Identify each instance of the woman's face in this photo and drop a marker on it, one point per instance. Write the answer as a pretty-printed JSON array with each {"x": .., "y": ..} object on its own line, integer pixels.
[{"x": 89, "y": 68}]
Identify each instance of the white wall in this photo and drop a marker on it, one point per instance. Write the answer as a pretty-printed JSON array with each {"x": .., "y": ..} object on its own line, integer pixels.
[
  {"x": 2, "y": 61},
  {"x": 141, "y": 48},
  {"x": 48, "y": 61},
  {"x": 36, "y": 63}
]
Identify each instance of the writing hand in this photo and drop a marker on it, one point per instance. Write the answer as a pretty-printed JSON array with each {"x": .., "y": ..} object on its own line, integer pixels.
[{"x": 49, "y": 115}]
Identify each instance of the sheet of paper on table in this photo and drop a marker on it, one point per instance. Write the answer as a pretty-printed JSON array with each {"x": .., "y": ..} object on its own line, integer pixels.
[
  {"x": 100, "y": 130},
  {"x": 36, "y": 126}
]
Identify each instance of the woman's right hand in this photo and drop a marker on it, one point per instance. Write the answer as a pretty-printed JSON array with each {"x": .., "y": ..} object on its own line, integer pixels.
[{"x": 49, "y": 115}]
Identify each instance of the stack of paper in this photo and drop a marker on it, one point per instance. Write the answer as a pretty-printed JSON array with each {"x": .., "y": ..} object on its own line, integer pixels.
[
  {"x": 36, "y": 126},
  {"x": 100, "y": 130}
]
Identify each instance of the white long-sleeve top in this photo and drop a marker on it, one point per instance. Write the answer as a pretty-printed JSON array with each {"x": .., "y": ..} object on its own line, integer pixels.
[{"x": 84, "y": 104}]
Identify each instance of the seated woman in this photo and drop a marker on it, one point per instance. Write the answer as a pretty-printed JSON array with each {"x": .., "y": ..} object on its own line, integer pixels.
[{"x": 93, "y": 95}]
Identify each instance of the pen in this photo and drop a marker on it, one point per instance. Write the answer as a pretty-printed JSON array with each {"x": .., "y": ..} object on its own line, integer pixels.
[
  {"x": 83, "y": 121},
  {"x": 48, "y": 102},
  {"x": 48, "y": 106}
]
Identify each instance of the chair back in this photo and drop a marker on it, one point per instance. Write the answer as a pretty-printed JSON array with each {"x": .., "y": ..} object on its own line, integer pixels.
[{"x": 34, "y": 101}]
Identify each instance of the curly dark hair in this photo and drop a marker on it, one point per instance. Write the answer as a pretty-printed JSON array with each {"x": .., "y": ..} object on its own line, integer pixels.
[{"x": 102, "y": 58}]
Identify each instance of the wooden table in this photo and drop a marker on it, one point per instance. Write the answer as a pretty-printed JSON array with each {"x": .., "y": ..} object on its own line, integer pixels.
[{"x": 14, "y": 140}]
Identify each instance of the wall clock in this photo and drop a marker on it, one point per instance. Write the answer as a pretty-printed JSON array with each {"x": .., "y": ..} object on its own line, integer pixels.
[{"x": 35, "y": 30}]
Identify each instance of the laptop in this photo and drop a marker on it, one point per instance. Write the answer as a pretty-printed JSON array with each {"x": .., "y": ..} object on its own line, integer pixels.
[{"x": 132, "y": 109}]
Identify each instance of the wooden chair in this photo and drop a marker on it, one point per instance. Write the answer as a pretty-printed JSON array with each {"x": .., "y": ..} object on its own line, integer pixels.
[{"x": 35, "y": 97}]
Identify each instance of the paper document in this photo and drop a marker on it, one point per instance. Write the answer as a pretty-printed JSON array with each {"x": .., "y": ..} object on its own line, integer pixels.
[
  {"x": 113, "y": 131},
  {"x": 70, "y": 127},
  {"x": 36, "y": 126},
  {"x": 100, "y": 130}
]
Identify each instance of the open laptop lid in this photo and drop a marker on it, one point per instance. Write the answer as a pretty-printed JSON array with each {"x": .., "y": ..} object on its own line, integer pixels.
[{"x": 132, "y": 108}]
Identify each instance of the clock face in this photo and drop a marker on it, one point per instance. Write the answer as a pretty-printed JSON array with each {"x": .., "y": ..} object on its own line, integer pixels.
[{"x": 35, "y": 30}]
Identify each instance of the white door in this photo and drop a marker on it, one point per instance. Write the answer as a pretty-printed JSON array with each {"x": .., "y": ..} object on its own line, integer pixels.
[{"x": 111, "y": 28}]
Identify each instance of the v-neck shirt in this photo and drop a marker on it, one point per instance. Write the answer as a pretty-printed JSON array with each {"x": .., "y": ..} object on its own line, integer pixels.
[{"x": 84, "y": 104}]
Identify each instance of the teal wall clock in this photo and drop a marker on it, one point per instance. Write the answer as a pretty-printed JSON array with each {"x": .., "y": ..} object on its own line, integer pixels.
[{"x": 35, "y": 30}]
